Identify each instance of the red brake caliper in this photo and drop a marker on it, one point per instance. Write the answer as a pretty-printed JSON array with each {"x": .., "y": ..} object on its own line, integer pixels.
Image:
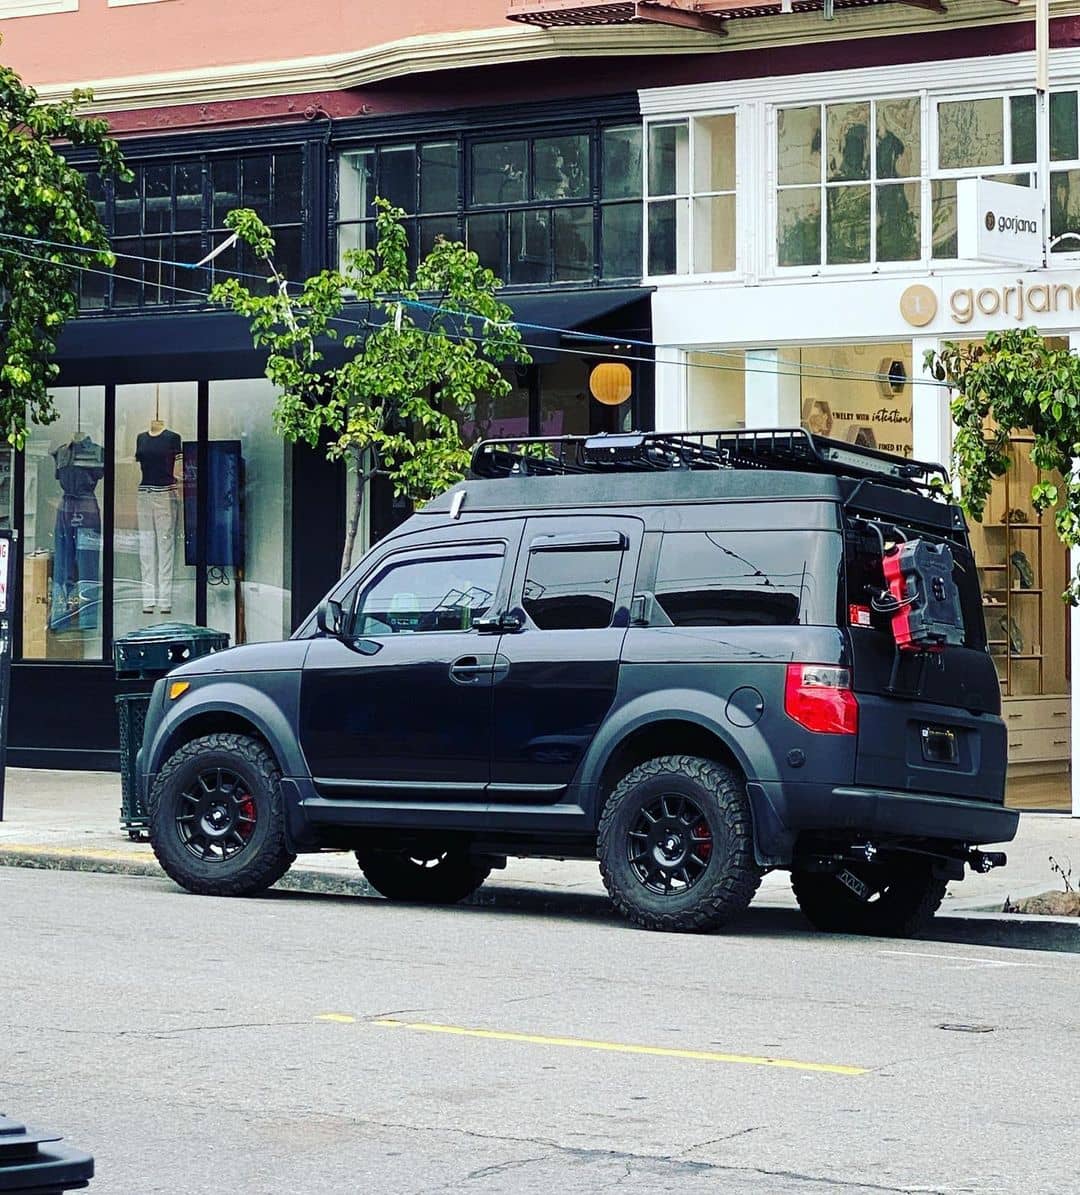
[
  {"x": 702, "y": 840},
  {"x": 247, "y": 810}
]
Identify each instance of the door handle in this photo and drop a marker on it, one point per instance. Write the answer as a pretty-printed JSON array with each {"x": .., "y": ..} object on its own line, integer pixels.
[{"x": 468, "y": 670}]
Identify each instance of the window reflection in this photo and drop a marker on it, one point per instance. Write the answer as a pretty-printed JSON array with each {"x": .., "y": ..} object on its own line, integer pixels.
[{"x": 62, "y": 557}]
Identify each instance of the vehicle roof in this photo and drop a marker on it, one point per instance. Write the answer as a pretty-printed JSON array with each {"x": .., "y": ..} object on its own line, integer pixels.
[{"x": 540, "y": 494}]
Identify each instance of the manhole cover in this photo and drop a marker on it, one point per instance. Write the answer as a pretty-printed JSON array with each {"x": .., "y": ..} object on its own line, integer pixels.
[{"x": 958, "y": 1028}]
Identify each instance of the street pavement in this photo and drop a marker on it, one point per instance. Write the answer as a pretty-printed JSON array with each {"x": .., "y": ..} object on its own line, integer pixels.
[
  {"x": 70, "y": 820},
  {"x": 316, "y": 1043}
]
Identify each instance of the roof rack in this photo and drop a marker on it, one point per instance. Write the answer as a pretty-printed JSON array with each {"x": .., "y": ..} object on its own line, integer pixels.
[{"x": 787, "y": 448}]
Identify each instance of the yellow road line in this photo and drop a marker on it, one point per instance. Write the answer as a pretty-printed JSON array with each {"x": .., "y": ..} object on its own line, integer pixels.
[
  {"x": 581, "y": 1043},
  {"x": 340, "y": 1018}
]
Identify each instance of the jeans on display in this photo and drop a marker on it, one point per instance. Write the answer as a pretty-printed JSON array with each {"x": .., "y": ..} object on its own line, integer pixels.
[
  {"x": 158, "y": 512},
  {"x": 76, "y": 586}
]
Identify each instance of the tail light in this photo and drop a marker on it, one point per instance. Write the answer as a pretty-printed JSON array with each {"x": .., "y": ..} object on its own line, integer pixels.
[{"x": 819, "y": 697}]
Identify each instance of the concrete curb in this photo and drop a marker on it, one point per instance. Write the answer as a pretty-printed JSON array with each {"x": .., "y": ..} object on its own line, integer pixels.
[{"x": 1011, "y": 930}]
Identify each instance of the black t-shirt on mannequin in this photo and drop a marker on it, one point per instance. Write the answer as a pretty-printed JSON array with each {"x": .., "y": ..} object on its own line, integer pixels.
[{"x": 157, "y": 456}]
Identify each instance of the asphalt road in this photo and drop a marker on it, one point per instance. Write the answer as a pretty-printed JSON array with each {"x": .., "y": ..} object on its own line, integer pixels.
[{"x": 325, "y": 1044}]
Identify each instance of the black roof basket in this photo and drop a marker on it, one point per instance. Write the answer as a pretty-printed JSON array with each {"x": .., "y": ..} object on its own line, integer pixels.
[{"x": 787, "y": 448}]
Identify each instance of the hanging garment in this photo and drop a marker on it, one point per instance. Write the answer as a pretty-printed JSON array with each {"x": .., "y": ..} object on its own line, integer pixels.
[
  {"x": 158, "y": 509},
  {"x": 76, "y": 588}
]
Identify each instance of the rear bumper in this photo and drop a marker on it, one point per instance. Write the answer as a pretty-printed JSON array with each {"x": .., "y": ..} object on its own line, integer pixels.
[{"x": 784, "y": 811}]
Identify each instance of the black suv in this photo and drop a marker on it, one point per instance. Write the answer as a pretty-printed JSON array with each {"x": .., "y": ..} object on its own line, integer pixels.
[{"x": 678, "y": 653}]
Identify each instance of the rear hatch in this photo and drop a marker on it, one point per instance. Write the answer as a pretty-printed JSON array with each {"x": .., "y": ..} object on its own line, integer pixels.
[{"x": 927, "y": 722}]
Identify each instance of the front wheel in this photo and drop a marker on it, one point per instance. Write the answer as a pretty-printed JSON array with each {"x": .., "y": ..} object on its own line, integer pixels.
[
  {"x": 217, "y": 824},
  {"x": 676, "y": 845},
  {"x": 438, "y": 878},
  {"x": 896, "y": 899}
]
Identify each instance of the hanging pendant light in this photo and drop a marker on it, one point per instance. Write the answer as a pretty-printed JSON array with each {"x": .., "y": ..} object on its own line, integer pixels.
[{"x": 611, "y": 383}]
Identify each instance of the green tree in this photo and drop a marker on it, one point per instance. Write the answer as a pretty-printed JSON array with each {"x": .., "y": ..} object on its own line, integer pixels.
[
  {"x": 1016, "y": 382},
  {"x": 390, "y": 407},
  {"x": 42, "y": 199}
]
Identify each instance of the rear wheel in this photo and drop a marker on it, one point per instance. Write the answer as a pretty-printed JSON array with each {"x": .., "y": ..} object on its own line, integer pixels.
[
  {"x": 217, "y": 824},
  {"x": 676, "y": 845},
  {"x": 901, "y": 896},
  {"x": 437, "y": 878}
]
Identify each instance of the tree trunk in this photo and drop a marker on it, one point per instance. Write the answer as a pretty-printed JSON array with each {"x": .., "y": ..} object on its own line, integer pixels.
[{"x": 356, "y": 460}]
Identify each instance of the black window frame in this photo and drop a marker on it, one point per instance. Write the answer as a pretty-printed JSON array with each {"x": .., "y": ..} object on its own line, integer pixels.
[
  {"x": 173, "y": 282},
  {"x": 595, "y": 203}
]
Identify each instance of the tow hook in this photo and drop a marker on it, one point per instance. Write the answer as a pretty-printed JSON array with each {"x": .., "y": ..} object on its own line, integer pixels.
[{"x": 984, "y": 861}]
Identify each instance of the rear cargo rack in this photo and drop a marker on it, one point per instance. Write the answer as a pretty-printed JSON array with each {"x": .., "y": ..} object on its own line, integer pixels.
[{"x": 790, "y": 449}]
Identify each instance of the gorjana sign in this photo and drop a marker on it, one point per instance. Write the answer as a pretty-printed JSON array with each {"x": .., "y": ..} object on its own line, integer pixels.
[{"x": 999, "y": 222}]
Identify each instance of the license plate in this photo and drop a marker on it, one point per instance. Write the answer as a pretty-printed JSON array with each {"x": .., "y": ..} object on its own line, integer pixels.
[{"x": 939, "y": 745}]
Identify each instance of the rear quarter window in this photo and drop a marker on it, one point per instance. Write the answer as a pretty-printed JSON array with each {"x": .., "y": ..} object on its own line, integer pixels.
[{"x": 744, "y": 578}]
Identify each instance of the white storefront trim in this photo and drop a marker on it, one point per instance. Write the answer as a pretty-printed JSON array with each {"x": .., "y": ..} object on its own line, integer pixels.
[{"x": 995, "y": 74}]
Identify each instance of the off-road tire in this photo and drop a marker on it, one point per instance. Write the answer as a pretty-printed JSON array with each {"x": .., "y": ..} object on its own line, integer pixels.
[
  {"x": 437, "y": 880},
  {"x": 908, "y": 896},
  {"x": 263, "y": 860},
  {"x": 729, "y": 878}
]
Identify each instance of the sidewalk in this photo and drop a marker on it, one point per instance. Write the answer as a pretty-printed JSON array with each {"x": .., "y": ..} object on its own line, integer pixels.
[{"x": 70, "y": 821}]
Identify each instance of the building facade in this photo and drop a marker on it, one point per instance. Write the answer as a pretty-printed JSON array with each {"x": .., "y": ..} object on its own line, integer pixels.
[{"x": 770, "y": 199}]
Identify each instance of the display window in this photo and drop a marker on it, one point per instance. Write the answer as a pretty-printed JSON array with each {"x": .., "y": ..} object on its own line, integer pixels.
[
  {"x": 152, "y": 580},
  {"x": 149, "y": 504},
  {"x": 1023, "y": 570},
  {"x": 64, "y": 466}
]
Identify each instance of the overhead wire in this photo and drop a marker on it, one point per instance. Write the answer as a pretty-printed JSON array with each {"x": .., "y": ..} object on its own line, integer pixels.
[{"x": 790, "y": 368}]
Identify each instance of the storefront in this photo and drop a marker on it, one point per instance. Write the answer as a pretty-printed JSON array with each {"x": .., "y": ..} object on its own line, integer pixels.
[{"x": 830, "y": 205}]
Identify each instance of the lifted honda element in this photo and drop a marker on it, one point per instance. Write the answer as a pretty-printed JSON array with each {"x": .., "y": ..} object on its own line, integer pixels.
[{"x": 697, "y": 657}]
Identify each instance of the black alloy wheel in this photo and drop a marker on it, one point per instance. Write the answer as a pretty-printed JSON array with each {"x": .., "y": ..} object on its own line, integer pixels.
[
  {"x": 217, "y": 824},
  {"x": 676, "y": 844},
  {"x": 217, "y": 815},
  {"x": 670, "y": 844}
]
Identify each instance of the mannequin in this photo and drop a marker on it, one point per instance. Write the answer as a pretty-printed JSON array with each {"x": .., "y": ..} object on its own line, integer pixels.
[
  {"x": 80, "y": 465},
  {"x": 157, "y": 507}
]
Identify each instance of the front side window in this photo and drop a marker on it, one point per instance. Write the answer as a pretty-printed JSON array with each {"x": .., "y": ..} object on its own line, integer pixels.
[
  {"x": 691, "y": 195},
  {"x": 743, "y": 578},
  {"x": 447, "y": 593},
  {"x": 849, "y": 182},
  {"x": 571, "y": 590}
]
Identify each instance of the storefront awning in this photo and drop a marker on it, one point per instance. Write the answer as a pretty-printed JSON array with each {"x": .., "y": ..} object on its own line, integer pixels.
[{"x": 174, "y": 346}]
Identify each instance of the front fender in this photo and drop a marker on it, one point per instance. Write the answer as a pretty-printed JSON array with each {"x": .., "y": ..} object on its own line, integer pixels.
[{"x": 268, "y": 701}]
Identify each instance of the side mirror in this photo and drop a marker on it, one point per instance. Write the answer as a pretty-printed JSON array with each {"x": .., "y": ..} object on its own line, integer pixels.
[{"x": 330, "y": 618}]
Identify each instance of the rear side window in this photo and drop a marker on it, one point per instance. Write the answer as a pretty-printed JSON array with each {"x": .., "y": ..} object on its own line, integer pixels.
[
  {"x": 865, "y": 576},
  {"x": 743, "y": 578},
  {"x": 571, "y": 590}
]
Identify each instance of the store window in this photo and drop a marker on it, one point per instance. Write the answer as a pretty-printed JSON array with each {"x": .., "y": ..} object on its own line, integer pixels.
[
  {"x": 173, "y": 212},
  {"x": 153, "y": 581},
  {"x": 858, "y": 393},
  {"x": 1023, "y": 569},
  {"x": 62, "y": 523},
  {"x": 248, "y": 545},
  {"x": 540, "y": 210},
  {"x": 1064, "y": 174},
  {"x": 691, "y": 196},
  {"x": 988, "y": 137},
  {"x": 716, "y": 388},
  {"x": 488, "y": 417},
  {"x": 565, "y": 398},
  {"x": 848, "y": 183}
]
